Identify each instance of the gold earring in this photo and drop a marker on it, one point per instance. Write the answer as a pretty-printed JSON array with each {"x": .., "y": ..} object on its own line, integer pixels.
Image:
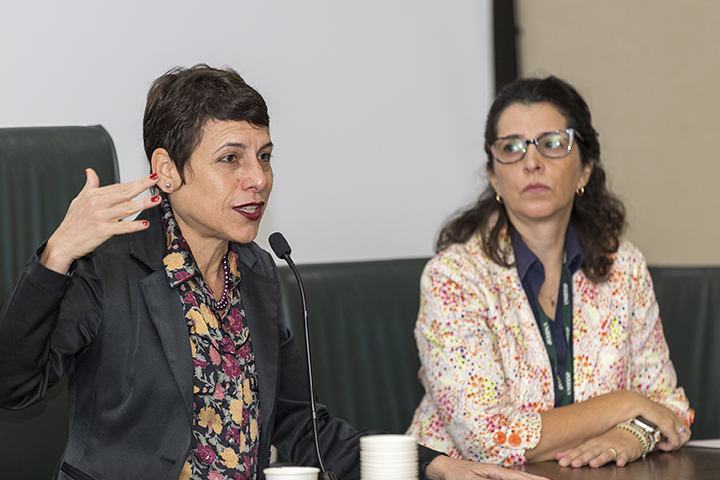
[
  {"x": 499, "y": 199},
  {"x": 580, "y": 191}
]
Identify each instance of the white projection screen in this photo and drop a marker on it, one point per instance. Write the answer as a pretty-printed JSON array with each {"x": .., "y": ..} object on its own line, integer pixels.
[{"x": 377, "y": 107}]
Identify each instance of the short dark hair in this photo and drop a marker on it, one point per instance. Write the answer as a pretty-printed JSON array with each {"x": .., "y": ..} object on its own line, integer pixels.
[
  {"x": 182, "y": 101},
  {"x": 598, "y": 217}
]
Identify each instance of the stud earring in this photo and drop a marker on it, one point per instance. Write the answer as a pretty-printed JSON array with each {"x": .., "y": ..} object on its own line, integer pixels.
[
  {"x": 499, "y": 199},
  {"x": 580, "y": 191},
  {"x": 167, "y": 185}
]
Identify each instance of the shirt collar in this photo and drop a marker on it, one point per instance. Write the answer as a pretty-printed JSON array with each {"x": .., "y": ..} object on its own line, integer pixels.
[
  {"x": 575, "y": 256},
  {"x": 525, "y": 258},
  {"x": 178, "y": 260}
]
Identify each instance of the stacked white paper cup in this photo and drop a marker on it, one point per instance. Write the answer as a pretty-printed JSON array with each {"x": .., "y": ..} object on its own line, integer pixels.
[
  {"x": 291, "y": 473},
  {"x": 388, "y": 457}
]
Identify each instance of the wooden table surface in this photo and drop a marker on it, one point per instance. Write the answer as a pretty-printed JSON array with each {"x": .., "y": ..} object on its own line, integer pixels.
[{"x": 688, "y": 463}]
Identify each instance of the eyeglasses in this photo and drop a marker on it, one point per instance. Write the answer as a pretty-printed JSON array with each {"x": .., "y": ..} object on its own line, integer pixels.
[{"x": 555, "y": 144}]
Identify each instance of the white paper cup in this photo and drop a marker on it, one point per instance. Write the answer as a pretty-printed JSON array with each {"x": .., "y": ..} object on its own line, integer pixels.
[
  {"x": 387, "y": 463},
  {"x": 388, "y": 457},
  {"x": 394, "y": 465},
  {"x": 409, "y": 466},
  {"x": 291, "y": 473},
  {"x": 390, "y": 473},
  {"x": 386, "y": 477},
  {"x": 383, "y": 442}
]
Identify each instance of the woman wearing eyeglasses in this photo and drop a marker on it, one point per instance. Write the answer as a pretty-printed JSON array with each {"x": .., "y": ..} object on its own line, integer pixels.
[{"x": 538, "y": 330}]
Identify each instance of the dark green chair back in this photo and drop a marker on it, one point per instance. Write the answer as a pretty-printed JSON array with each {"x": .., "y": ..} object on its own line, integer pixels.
[
  {"x": 362, "y": 316},
  {"x": 689, "y": 300},
  {"x": 41, "y": 171}
]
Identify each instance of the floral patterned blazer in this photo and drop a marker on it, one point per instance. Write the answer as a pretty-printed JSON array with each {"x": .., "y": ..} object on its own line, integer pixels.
[
  {"x": 484, "y": 365},
  {"x": 118, "y": 330}
]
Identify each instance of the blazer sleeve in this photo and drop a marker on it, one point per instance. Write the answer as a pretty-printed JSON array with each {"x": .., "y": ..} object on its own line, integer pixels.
[
  {"x": 460, "y": 338},
  {"x": 651, "y": 370},
  {"x": 38, "y": 339}
]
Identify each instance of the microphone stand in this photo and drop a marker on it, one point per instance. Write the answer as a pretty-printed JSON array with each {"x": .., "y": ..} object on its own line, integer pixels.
[{"x": 282, "y": 250}]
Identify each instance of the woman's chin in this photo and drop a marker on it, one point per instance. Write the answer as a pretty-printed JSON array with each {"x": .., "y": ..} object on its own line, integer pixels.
[
  {"x": 244, "y": 239},
  {"x": 542, "y": 212},
  {"x": 244, "y": 236}
]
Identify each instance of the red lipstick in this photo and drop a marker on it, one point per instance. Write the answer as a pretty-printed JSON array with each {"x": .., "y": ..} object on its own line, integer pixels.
[{"x": 251, "y": 211}]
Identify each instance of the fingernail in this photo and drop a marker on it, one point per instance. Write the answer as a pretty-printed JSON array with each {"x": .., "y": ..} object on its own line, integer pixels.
[
  {"x": 156, "y": 198},
  {"x": 154, "y": 176},
  {"x": 145, "y": 223}
]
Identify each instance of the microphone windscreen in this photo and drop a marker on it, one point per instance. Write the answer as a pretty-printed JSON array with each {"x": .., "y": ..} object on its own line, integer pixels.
[{"x": 279, "y": 245}]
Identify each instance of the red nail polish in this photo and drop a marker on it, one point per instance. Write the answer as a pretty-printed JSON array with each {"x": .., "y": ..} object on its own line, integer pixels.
[
  {"x": 145, "y": 223},
  {"x": 154, "y": 176},
  {"x": 156, "y": 198}
]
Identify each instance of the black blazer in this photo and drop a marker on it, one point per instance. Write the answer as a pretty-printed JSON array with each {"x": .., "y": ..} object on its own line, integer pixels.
[{"x": 117, "y": 329}]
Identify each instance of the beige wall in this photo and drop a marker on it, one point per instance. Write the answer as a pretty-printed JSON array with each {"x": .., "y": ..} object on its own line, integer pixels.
[{"x": 650, "y": 71}]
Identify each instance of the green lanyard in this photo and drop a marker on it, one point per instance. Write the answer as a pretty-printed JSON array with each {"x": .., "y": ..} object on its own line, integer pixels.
[{"x": 564, "y": 386}]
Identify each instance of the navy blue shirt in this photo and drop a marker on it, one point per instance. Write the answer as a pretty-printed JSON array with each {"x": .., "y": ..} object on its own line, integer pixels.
[{"x": 532, "y": 276}]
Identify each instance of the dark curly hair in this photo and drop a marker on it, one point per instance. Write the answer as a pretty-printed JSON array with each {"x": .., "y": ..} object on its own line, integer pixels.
[
  {"x": 183, "y": 100},
  {"x": 598, "y": 217}
]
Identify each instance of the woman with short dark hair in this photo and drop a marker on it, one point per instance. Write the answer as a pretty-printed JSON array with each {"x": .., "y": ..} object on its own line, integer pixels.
[
  {"x": 538, "y": 331},
  {"x": 170, "y": 327}
]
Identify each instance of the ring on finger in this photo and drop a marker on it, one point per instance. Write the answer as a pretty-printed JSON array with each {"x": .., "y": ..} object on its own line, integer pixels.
[
  {"x": 682, "y": 430},
  {"x": 614, "y": 454}
]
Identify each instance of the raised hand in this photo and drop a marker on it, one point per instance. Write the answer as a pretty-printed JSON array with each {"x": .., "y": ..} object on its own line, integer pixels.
[{"x": 94, "y": 216}]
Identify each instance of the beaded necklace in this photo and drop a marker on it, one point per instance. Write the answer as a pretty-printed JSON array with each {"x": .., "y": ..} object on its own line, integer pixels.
[{"x": 223, "y": 302}]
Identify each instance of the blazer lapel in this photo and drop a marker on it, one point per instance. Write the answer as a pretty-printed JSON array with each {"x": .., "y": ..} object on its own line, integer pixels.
[
  {"x": 520, "y": 325},
  {"x": 163, "y": 303},
  {"x": 514, "y": 301},
  {"x": 261, "y": 301},
  {"x": 260, "y": 298},
  {"x": 167, "y": 314},
  {"x": 586, "y": 336}
]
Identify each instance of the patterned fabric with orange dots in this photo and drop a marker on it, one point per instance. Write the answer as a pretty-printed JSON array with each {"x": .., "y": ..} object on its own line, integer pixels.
[{"x": 485, "y": 368}]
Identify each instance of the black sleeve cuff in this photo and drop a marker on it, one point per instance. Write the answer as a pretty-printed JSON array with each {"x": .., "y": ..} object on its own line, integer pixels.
[
  {"x": 46, "y": 279},
  {"x": 425, "y": 456}
]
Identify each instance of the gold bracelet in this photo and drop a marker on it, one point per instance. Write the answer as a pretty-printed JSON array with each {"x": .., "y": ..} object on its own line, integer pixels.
[{"x": 641, "y": 434}]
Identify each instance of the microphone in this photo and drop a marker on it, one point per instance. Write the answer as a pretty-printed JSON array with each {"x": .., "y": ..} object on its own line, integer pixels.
[{"x": 282, "y": 249}]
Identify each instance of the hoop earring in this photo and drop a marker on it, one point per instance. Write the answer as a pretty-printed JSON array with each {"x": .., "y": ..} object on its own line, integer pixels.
[
  {"x": 499, "y": 199},
  {"x": 580, "y": 191}
]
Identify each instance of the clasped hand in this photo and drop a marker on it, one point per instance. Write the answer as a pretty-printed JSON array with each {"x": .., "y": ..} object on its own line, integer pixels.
[
  {"x": 622, "y": 447},
  {"x": 616, "y": 445}
]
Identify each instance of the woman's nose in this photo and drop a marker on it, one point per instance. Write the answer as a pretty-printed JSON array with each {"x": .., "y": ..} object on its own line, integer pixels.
[
  {"x": 254, "y": 176},
  {"x": 533, "y": 160}
]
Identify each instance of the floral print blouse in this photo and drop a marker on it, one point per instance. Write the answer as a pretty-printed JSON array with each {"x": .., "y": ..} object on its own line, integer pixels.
[
  {"x": 485, "y": 368},
  {"x": 226, "y": 413}
]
